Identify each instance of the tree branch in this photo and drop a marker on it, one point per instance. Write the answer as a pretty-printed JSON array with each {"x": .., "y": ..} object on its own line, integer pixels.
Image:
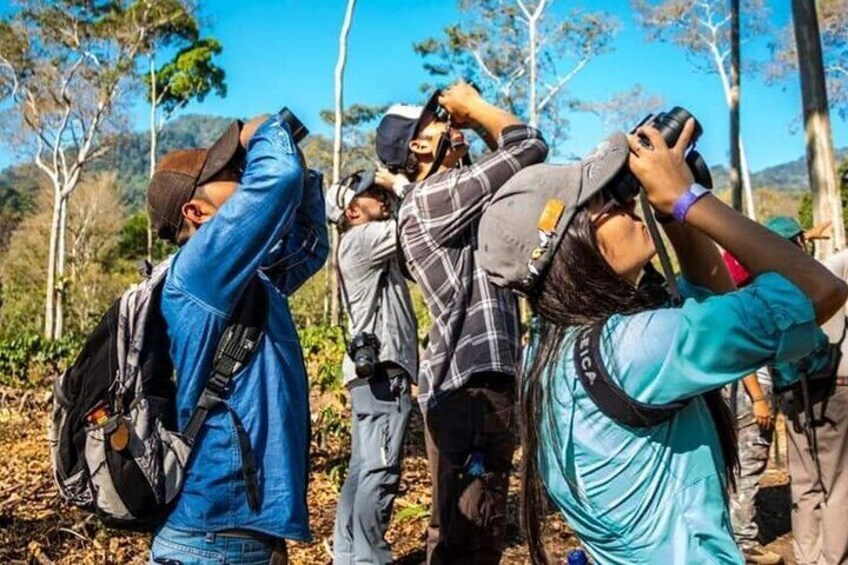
[{"x": 561, "y": 82}]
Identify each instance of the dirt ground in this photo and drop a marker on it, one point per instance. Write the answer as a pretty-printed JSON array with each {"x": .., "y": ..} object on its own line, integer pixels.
[{"x": 37, "y": 527}]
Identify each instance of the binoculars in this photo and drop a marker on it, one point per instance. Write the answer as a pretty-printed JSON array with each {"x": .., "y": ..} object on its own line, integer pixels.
[
  {"x": 298, "y": 130},
  {"x": 624, "y": 187}
]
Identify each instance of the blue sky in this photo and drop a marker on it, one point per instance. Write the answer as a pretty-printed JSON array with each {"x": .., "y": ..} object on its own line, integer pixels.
[{"x": 283, "y": 52}]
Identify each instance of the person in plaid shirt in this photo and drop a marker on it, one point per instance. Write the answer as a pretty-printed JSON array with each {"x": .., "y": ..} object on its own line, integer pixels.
[{"x": 467, "y": 376}]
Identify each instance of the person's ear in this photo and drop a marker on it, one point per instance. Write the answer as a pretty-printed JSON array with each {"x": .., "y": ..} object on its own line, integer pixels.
[
  {"x": 353, "y": 212},
  {"x": 420, "y": 147},
  {"x": 197, "y": 212}
]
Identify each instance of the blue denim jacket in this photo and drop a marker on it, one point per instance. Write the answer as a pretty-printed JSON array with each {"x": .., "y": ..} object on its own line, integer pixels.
[{"x": 274, "y": 219}]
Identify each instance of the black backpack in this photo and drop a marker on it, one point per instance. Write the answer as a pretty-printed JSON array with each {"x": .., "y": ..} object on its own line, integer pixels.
[{"x": 115, "y": 445}]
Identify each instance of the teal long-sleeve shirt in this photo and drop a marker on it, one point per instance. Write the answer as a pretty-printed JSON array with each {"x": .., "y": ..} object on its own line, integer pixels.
[{"x": 657, "y": 495}]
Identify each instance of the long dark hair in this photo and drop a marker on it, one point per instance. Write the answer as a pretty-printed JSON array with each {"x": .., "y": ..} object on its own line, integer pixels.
[{"x": 581, "y": 289}]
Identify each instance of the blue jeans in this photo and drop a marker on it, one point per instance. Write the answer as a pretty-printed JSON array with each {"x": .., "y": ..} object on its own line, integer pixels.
[{"x": 176, "y": 547}]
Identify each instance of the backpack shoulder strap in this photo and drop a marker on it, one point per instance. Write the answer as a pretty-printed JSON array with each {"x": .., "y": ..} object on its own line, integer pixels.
[
  {"x": 239, "y": 341},
  {"x": 610, "y": 398},
  {"x": 135, "y": 308}
]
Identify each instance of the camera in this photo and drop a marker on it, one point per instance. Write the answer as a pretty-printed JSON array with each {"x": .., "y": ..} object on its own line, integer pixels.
[
  {"x": 364, "y": 350},
  {"x": 625, "y": 187},
  {"x": 298, "y": 130},
  {"x": 440, "y": 113}
]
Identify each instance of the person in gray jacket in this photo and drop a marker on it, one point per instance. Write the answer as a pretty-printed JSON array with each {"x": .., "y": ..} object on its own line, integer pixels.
[{"x": 381, "y": 363}]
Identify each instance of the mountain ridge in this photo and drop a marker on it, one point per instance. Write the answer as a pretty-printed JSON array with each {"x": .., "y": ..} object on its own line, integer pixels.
[{"x": 129, "y": 157}]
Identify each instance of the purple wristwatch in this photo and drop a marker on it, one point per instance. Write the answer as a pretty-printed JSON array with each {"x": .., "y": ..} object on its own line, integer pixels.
[{"x": 686, "y": 200}]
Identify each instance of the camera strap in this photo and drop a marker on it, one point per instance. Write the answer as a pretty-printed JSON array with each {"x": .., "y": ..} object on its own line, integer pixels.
[
  {"x": 607, "y": 395},
  {"x": 441, "y": 152},
  {"x": 662, "y": 252}
]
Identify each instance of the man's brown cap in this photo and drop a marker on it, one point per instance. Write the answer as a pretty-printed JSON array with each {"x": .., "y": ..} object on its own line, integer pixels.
[{"x": 178, "y": 175}]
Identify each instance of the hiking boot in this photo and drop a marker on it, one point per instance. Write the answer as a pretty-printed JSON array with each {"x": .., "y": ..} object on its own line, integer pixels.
[{"x": 761, "y": 555}]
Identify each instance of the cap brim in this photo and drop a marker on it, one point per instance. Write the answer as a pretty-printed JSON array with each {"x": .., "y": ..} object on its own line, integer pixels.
[
  {"x": 366, "y": 181},
  {"x": 221, "y": 152},
  {"x": 428, "y": 113},
  {"x": 602, "y": 165}
]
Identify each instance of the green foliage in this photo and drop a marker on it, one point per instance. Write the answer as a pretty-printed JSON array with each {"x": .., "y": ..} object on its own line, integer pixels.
[
  {"x": 323, "y": 351},
  {"x": 190, "y": 75},
  {"x": 23, "y": 357},
  {"x": 805, "y": 211},
  {"x": 355, "y": 115},
  {"x": 331, "y": 432},
  {"x": 96, "y": 272},
  {"x": 357, "y": 144},
  {"x": 331, "y": 424},
  {"x": 412, "y": 512},
  {"x": 132, "y": 241}
]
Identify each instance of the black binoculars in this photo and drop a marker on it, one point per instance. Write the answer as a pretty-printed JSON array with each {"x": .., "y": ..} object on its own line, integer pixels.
[
  {"x": 625, "y": 187},
  {"x": 298, "y": 130}
]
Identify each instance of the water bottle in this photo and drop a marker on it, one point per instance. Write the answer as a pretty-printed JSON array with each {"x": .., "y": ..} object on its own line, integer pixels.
[{"x": 577, "y": 557}]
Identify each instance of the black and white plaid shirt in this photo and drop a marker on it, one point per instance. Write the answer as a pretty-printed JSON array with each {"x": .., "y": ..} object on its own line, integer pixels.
[{"x": 475, "y": 324}]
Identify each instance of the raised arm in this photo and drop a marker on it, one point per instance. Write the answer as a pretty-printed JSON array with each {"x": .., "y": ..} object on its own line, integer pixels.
[
  {"x": 666, "y": 177},
  {"x": 218, "y": 261},
  {"x": 450, "y": 201},
  {"x": 699, "y": 258},
  {"x": 712, "y": 340},
  {"x": 382, "y": 241},
  {"x": 304, "y": 249}
]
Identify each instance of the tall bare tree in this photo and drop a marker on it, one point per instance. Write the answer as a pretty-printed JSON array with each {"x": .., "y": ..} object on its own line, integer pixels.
[
  {"x": 735, "y": 78},
  {"x": 341, "y": 61},
  {"x": 67, "y": 66},
  {"x": 827, "y": 203},
  {"x": 521, "y": 55},
  {"x": 702, "y": 29},
  {"x": 833, "y": 33},
  {"x": 824, "y": 30}
]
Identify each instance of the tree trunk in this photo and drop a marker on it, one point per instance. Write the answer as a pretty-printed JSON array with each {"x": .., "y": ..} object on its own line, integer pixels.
[
  {"x": 61, "y": 281},
  {"x": 746, "y": 181},
  {"x": 50, "y": 291},
  {"x": 154, "y": 134},
  {"x": 744, "y": 170},
  {"x": 735, "y": 178},
  {"x": 534, "y": 115},
  {"x": 827, "y": 204},
  {"x": 335, "y": 317}
]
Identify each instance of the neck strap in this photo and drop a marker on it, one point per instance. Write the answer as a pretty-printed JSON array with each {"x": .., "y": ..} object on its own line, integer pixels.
[{"x": 659, "y": 244}]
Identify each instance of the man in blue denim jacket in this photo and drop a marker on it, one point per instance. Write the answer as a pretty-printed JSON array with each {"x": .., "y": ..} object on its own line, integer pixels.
[{"x": 246, "y": 206}]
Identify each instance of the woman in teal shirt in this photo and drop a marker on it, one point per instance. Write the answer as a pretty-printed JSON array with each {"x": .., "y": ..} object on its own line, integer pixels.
[{"x": 643, "y": 494}]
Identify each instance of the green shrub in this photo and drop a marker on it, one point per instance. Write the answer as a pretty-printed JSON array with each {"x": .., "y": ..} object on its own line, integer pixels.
[
  {"x": 323, "y": 352},
  {"x": 26, "y": 358}
]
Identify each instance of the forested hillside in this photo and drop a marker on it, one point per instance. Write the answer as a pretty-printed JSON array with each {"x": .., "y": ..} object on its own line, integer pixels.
[{"x": 128, "y": 158}]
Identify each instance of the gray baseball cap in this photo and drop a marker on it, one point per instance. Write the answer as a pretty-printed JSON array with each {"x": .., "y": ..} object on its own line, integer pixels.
[
  {"x": 522, "y": 227},
  {"x": 339, "y": 196}
]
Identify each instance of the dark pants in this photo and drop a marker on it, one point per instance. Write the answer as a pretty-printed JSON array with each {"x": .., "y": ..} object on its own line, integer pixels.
[
  {"x": 381, "y": 409},
  {"x": 470, "y": 443}
]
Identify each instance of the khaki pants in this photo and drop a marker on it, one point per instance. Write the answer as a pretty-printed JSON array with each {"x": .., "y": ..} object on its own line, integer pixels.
[
  {"x": 470, "y": 442},
  {"x": 819, "y": 525}
]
